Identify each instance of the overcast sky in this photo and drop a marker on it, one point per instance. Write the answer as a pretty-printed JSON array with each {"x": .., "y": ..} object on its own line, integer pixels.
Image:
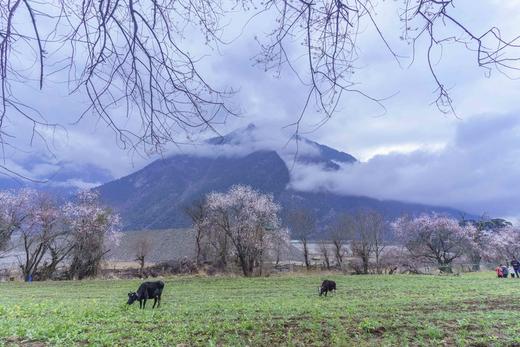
[{"x": 408, "y": 152}]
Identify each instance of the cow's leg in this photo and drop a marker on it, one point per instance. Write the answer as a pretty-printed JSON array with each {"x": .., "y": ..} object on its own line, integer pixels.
[
  {"x": 159, "y": 303},
  {"x": 140, "y": 304},
  {"x": 154, "y": 302}
]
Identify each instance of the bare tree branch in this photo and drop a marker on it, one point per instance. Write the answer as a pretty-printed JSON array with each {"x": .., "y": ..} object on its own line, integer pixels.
[{"x": 130, "y": 59}]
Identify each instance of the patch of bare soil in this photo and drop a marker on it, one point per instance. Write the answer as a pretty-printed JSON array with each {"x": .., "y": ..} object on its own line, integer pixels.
[
  {"x": 469, "y": 306},
  {"x": 17, "y": 341}
]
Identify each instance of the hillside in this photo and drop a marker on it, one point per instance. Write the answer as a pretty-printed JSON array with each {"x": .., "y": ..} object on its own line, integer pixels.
[{"x": 155, "y": 196}]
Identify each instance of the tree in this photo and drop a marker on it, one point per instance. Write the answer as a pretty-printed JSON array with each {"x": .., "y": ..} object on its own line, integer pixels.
[
  {"x": 504, "y": 244},
  {"x": 339, "y": 233},
  {"x": 41, "y": 229},
  {"x": 325, "y": 252},
  {"x": 143, "y": 247},
  {"x": 483, "y": 240},
  {"x": 59, "y": 249},
  {"x": 210, "y": 242},
  {"x": 302, "y": 224},
  {"x": 90, "y": 226},
  {"x": 378, "y": 237},
  {"x": 435, "y": 239},
  {"x": 12, "y": 214},
  {"x": 220, "y": 244},
  {"x": 38, "y": 222},
  {"x": 250, "y": 221},
  {"x": 281, "y": 246},
  {"x": 48, "y": 233},
  {"x": 366, "y": 230},
  {"x": 197, "y": 212},
  {"x": 132, "y": 57}
]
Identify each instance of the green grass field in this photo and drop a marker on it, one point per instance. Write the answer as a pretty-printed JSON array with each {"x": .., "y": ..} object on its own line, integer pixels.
[{"x": 473, "y": 309}]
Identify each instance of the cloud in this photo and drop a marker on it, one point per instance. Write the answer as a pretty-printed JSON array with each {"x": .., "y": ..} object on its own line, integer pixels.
[
  {"x": 76, "y": 183},
  {"x": 246, "y": 140},
  {"x": 478, "y": 171}
]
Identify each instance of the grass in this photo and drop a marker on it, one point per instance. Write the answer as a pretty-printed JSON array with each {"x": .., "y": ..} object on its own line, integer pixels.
[{"x": 472, "y": 309}]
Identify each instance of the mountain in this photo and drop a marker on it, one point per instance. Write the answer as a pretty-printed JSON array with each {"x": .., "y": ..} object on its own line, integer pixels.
[
  {"x": 155, "y": 196},
  {"x": 62, "y": 178}
]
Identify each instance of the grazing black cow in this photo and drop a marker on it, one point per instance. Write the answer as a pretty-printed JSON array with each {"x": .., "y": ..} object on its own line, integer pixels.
[
  {"x": 327, "y": 286},
  {"x": 147, "y": 290}
]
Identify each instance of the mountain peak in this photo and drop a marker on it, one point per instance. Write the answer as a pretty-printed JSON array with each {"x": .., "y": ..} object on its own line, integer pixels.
[
  {"x": 311, "y": 153},
  {"x": 235, "y": 137}
]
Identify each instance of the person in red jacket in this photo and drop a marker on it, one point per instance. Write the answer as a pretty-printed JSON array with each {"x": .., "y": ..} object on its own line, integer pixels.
[{"x": 499, "y": 271}]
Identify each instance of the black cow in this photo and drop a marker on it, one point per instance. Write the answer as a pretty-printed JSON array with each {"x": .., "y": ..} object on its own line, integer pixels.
[
  {"x": 147, "y": 290},
  {"x": 327, "y": 286}
]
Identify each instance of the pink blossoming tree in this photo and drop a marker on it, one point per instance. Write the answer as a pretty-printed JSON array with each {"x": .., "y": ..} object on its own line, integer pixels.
[
  {"x": 504, "y": 244},
  {"x": 34, "y": 218},
  {"x": 249, "y": 221},
  {"x": 484, "y": 239},
  {"x": 49, "y": 234},
  {"x": 42, "y": 235},
  {"x": 12, "y": 214},
  {"x": 91, "y": 228},
  {"x": 435, "y": 239}
]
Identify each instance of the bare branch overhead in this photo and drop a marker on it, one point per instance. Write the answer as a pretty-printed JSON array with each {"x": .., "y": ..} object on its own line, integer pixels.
[{"x": 131, "y": 59}]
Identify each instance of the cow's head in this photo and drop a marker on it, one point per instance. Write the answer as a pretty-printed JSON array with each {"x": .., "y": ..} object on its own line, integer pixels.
[{"x": 132, "y": 297}]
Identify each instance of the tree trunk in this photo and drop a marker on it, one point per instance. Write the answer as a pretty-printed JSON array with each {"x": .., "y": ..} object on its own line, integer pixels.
[
  {"x": 365, "y": 264},
  {"x": 445, "y": 267},
  {"x": 339, "y": 257},
  {"x": 244, "y": 265},
  {"x": 475, "y": 266},
  {"x": 197, "y": 240},
  {"x": 306, "y": 254},
  {"x": 327, "y": 262},
  {"x": 141, "y": 266}
]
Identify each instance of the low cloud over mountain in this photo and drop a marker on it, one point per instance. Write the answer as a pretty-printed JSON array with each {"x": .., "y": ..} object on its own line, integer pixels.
[{"x": 477, "y": 171}]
